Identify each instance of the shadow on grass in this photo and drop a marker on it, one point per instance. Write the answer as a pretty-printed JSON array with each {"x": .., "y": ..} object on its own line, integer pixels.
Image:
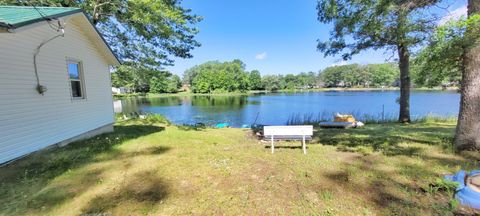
[
  {"x": 284, "y": 147},
  {"x": 25, "y": 184},
  {"x": 153, "y": 150},
  {"x": 46, "y": 196},
  {"x": 398, "y": 191},
  {"x": 144, "y": 190},
  {"x": 383, "y": 188},
  {"x": 196, "y": 127},
  {"x": 387, "y": 138}
]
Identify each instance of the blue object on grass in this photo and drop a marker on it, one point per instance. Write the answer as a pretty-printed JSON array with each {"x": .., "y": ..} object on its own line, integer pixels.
[
  {"x": 246, "y": 126},
  {"x": 222, "y": 125},
  {"x": 465, "y": 194}
]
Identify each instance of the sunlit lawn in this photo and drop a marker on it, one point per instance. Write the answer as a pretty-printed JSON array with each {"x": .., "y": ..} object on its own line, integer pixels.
[{"x": 167, "y": 170}]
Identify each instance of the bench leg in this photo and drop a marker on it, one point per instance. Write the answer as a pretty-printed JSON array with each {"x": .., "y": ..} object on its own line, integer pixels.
[
  {"x": 272, "y": 145},
  {"x": 304, "y": 146}
]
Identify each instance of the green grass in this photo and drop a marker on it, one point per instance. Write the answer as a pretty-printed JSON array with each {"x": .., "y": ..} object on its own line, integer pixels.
[{"x": 146, "y": 168}]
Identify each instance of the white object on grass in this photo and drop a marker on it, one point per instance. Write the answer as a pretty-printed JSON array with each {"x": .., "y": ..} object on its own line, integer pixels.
[{"x": 297, "y": 132}]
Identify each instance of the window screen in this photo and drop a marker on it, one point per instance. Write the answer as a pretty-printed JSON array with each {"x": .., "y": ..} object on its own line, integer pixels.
[{"x": 76, "y": 82}]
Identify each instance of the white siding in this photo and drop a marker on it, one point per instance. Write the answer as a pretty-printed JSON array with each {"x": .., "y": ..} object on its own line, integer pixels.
[{"x": 30, "y": 121}]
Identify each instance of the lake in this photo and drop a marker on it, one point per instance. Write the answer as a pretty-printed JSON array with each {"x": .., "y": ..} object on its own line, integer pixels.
[{"x": 278, "y": 108}]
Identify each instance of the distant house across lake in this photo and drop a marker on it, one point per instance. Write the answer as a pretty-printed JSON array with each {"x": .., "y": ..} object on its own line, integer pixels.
[
  {"x": 121, "y": 90},
  {"x": 54, "y": 79}
]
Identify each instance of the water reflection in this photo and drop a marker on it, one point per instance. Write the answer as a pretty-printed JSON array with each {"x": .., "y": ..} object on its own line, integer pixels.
[
  {"x": 215, "y": 104},
  {"x": 165, "y": 101},
  {"x": 277, "y": 108}
]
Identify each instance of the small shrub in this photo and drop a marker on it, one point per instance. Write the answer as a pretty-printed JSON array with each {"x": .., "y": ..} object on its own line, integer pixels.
[
  {"x": 196, "y": 127},
  {"x": 442, "y": 185},
  {"x": 156, "y": 119}
]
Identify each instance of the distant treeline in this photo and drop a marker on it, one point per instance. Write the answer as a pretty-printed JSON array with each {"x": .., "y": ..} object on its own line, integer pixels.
[
  {"x": 355, "y": 75},
  {"x": 231, "y": 76},
  {"x": 215, "y": 77}
]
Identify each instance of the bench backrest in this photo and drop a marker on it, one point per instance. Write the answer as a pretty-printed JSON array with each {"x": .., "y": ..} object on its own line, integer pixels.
[{"x": 294, "y": 130}]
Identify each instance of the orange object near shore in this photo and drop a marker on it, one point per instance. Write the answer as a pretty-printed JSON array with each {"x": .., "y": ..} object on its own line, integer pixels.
[{"x": 343, "y": 118}]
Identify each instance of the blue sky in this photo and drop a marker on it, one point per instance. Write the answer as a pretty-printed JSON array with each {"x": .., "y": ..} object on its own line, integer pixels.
[{"x": 272, "y": 36}]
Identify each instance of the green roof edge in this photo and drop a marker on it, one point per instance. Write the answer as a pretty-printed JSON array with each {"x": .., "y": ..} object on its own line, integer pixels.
[
  {"x": 66, "y": 13},
  {"x": 32, "y": 21}
]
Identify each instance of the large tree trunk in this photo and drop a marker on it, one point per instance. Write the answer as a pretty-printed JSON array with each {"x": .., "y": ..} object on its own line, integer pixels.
[
  {"x": 404, "y": 64},
  {"x": 467, "y": 136}
]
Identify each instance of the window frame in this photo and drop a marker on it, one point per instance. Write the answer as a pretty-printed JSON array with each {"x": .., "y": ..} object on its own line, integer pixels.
[{"x": 81, "y": 79}]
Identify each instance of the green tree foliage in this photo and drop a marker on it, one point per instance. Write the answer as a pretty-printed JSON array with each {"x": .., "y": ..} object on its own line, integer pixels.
[
  {"x": 290, "y": 81},
  {"x": 142, "y": 79},
  {"x": 231, "y": 76},
  {"x": 307, "y": 80},
  {"x": 122, "y": 78},
  {"x": 378, "y": 24},
  {"x": 382, "y": 74},
  {"x": 255, "y": 80},
  {"x": 165, "y": 83},
  {"x": 217, "y": 76},
  {"x": 441, "y": 61},
  {"x": 354, "y": 75},
  {"x": 146, "y": 32},
  {"x": 133, "y": 76},
  {"x": 339, "y": 76},
  {"x": 176, "y": 82},
  {"x": 273, "y": 82},
  {"x": 189, "y": 74}
]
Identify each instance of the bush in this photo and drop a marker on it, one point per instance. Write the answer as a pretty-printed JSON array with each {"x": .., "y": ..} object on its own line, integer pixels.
[{"x": 157, "y": 119}]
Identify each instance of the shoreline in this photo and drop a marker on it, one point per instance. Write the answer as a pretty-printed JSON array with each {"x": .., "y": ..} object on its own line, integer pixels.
[{"x": 154, "y": 95}]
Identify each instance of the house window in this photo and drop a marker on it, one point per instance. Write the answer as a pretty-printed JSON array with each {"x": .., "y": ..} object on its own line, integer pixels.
[{"x": 76, "y": 79}]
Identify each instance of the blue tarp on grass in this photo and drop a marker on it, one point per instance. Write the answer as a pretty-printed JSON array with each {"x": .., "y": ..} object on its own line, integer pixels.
[
  {"x": 464, "y": 194},
  {"x": 222, "y": 125}
]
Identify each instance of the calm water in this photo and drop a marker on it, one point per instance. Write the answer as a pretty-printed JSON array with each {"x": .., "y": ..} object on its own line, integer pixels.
[{"x": 277, "y": 108}]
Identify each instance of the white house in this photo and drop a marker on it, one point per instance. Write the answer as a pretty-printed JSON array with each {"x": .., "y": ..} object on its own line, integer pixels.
[
  {"x": 54, "y": 79},
  {"x": 120, "y": 90}
]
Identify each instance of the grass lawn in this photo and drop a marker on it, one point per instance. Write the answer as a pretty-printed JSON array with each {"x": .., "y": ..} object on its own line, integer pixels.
[{"x": 148, "y": 169}]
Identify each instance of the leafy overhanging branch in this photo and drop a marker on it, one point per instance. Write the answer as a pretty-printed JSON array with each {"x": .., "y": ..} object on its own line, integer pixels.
[
  {"x": 373, "y": 24},
  {"x": 148, "y": 31}
]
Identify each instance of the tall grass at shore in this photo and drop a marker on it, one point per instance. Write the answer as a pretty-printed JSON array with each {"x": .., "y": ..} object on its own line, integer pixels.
[{"x": 315, "y": 119}]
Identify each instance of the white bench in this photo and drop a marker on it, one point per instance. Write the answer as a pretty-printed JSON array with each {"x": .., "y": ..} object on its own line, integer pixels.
[{"x": 300, "y": 132}]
